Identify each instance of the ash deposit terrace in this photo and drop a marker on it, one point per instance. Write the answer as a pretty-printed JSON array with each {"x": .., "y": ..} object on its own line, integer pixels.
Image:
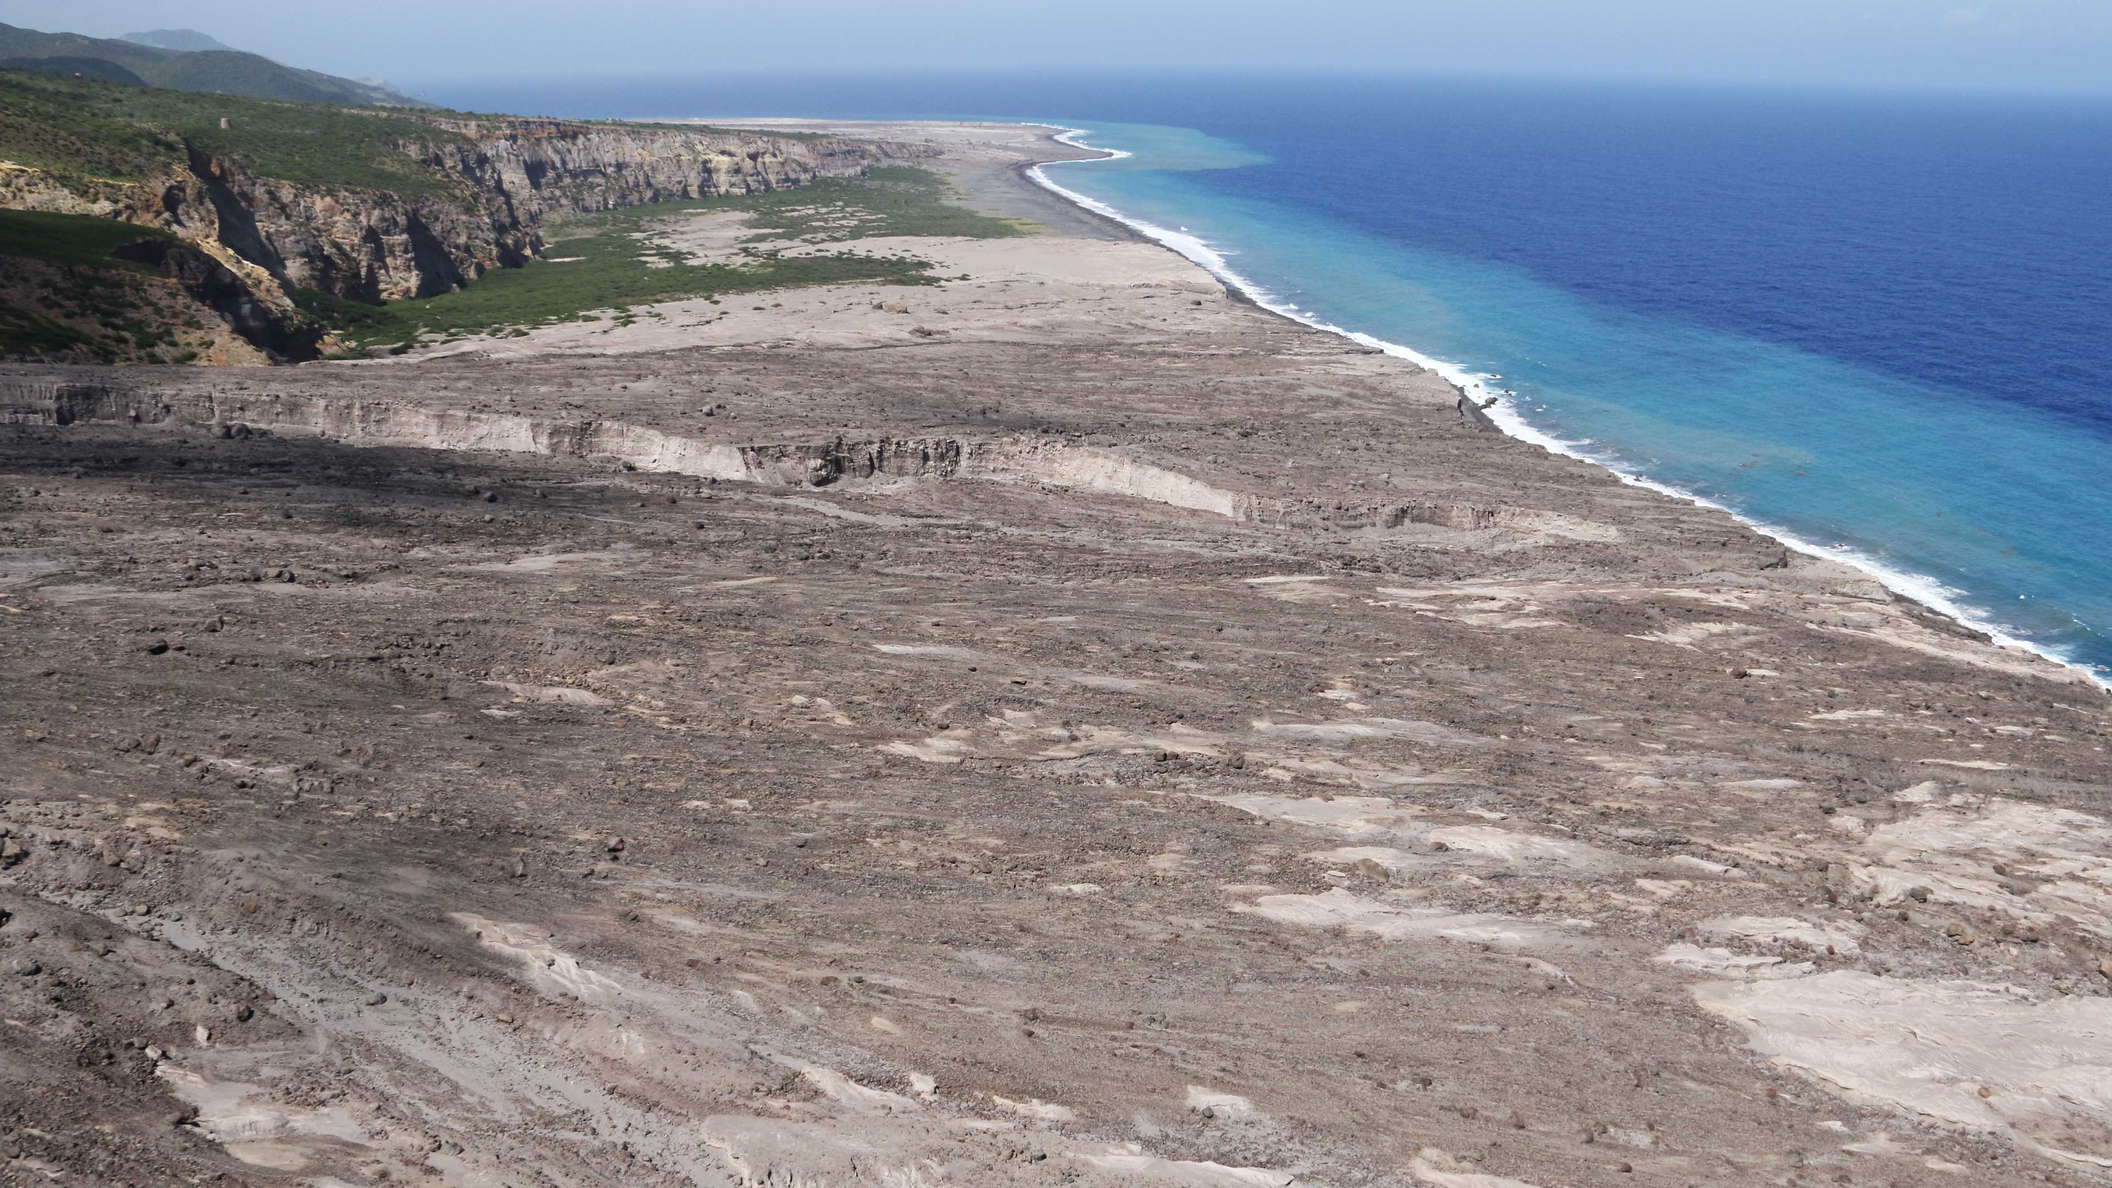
[{"x": 1059, "y": 725}]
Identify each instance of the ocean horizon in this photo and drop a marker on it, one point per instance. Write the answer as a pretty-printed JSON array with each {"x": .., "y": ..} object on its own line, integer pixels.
[{"x": 1871, "y": 325}]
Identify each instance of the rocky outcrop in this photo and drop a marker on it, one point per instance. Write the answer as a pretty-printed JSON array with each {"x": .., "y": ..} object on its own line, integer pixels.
[
  {"x": 265, "y": 324},
  {"x": 363, "y": 245},
  {"x": 821, "y": 463},
  {"x": 548, "y": 166}
]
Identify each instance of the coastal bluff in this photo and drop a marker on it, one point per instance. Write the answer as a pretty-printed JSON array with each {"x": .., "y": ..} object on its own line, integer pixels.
[{"x": 472, "y": 195}]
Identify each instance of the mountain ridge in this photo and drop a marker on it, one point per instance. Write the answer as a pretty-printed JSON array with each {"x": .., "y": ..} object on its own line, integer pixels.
[
  {"x": 180, "y": 40},
  {"x": 215, "y": 70}
]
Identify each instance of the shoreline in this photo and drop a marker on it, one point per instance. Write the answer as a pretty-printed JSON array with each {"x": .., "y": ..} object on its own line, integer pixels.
[{"x": 1500, "y": 411}]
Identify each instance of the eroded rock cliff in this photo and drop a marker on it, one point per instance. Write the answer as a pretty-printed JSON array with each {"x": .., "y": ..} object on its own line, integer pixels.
[
  {"x": 491, "y": 184},
  {"x": 496, "y": 182}
]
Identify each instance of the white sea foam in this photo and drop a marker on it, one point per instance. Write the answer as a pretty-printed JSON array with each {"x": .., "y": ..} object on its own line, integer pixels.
[{"x": 1507, "y": 417}]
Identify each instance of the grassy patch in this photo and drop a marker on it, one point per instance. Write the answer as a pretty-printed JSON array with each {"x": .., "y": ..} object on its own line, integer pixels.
[
  {"x": 69, "y": 306},
  {"x": 65, "y": 296},
  {"x": 71, "y": 239},
  {"x": 601, "y": 261},
  {"x": 31, "y": 334},
  {"x": 891, "y": 200}
]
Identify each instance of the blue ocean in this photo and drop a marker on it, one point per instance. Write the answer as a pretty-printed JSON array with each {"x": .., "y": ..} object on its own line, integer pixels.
[{"x": 1877, "y": 325}]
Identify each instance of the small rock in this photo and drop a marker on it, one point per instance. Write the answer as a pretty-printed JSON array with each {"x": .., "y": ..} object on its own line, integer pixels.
[
  {"x": 158, "y": 648},
  {"x": 616, "y": 845},
  {"x": 377, "y": 998},
  {"x": 1958, "y": 932}
]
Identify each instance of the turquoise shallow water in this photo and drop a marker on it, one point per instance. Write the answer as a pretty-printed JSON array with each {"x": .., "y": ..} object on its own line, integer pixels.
[{"x": 2001, "y": 512}]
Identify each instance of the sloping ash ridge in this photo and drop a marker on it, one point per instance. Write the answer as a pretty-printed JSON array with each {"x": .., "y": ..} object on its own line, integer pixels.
[{"x": 366, "y": 422}]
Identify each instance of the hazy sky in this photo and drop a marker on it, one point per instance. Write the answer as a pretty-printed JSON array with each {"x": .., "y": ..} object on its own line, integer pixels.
[{"x": 2024, "y": 44}]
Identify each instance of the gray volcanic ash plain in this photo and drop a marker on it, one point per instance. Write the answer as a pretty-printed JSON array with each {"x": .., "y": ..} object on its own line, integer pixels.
[{"x": 1061, "y": 727}]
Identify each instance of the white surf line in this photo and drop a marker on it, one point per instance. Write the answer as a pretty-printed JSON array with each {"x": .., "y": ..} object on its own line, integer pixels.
[{"x": 1472, "y": 386}]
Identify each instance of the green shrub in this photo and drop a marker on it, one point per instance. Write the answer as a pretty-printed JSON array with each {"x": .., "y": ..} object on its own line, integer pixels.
[{"x": 73, "y": 239}]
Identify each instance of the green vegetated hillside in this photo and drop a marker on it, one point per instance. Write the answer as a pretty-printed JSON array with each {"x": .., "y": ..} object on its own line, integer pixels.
[
  {"x": 91, "y": 69},
  {"x": 68, "y": 239},
  {"x": 80, "y": 289},
  {"x": 82, "y": 131},
  {"x": 176, "y": 39},
  {"x": 212, "y": 69}
]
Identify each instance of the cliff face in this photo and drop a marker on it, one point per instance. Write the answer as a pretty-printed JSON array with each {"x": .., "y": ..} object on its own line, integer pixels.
[
  {"x": 492, "y": 184},
  {"x": 496, "y": 185},
  {"x": 546, "y": 166},
  {"x": 366, "y": 245}
]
